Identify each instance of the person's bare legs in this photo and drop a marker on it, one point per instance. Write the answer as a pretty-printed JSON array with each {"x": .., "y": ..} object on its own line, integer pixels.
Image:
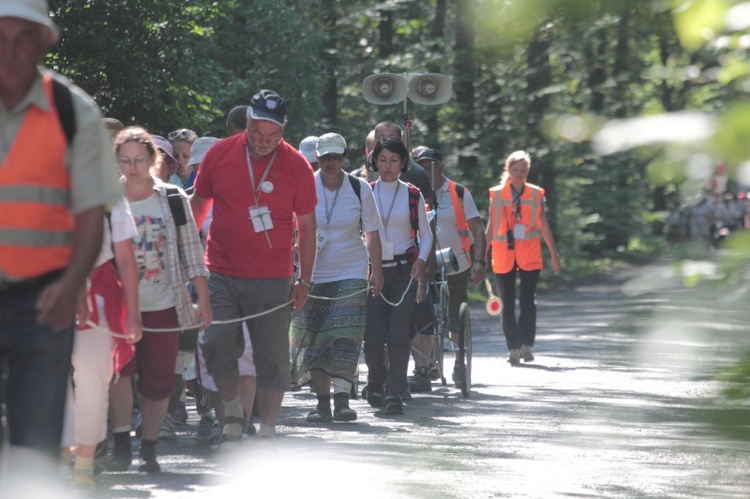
[
  {"x": 153, "y": 415},
  {"x": 269, "y": 406},
  {"x": 321, "y": 382},
  {"x": 121, "y": 402},
  {"x": 423, "y": 342},
  {"x": 234, "y": 419},
  {"x": 247, "y": 388}
]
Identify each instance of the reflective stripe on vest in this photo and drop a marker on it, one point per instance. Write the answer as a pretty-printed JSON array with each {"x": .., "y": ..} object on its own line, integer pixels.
[
  {"x": 463, "y": 227},
  {"x": 36, "y": 224},
  {"x": 528, "y": 251}
]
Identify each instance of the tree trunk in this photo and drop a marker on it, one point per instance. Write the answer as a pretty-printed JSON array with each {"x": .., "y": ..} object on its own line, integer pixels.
[
  {"x": 538, "y": 78},
  {"x": 385, "y": 28},
  {"x": 463, "y": 87},
  {"x": 330, "y": 92}
]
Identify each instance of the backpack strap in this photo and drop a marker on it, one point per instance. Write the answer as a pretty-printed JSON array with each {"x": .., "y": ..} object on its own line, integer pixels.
[
  {"x": 460, "y": 191},
  {"x": 414, "y": 210},
  {"x": 414, "y": 196},
  {"x": 176, "y": 207},
  {"x": 64, "y": 104},
  {"x": 354, "y": 181}
]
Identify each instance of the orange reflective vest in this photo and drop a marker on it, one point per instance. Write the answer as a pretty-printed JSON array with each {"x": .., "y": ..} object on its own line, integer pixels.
[
  {"x": 527, "y": 254},
  {"x": 36, "y": 223},
  {"x": 458, "y": 209}
]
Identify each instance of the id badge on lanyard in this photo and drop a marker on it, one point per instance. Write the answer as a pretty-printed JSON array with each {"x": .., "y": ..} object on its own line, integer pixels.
[
  {"x": 260, "y": 214},
  {"x": 261, "y": 217}
]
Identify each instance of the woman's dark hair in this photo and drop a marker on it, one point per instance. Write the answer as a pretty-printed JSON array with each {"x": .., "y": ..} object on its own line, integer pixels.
[{"x": 392, "y": 145}]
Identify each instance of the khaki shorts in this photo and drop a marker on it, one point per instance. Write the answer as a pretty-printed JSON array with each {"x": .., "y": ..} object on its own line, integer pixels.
[{"x": 223, "y": 345}]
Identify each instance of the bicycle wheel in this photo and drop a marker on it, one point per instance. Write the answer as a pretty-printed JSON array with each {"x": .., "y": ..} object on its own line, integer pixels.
[
  {"x": 441, "y": 329},
  {"x": 464, "y": 348}
]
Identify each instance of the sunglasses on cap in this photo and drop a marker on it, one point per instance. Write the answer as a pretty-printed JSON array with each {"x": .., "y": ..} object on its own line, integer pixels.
[{"x": 182, "y": 133}]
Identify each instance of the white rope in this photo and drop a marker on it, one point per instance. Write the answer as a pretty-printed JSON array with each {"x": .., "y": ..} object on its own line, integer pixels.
[
  {"x": 96, "y": 327},
  {"x": 411, "y": 281}
]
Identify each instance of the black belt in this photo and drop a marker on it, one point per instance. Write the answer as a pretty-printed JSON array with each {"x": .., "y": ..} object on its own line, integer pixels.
[{"x": 30, "y": 284}]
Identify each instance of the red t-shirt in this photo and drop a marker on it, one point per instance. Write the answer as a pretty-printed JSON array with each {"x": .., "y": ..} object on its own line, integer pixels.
[{"x": 234, "y": 248}]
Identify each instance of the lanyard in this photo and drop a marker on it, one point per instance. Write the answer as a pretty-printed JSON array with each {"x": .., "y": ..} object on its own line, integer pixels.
[
  {"x": 517, "y": 200},
  {"x": 256, "y": 189},
  {"x": 393, "y": 201},
  {"x": 329, "y": 213}
]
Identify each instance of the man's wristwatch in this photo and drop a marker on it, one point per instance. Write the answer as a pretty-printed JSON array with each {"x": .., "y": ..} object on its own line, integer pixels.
[
  {"x": 484, "y": 264},
  {"x": 305, "y": 282}
]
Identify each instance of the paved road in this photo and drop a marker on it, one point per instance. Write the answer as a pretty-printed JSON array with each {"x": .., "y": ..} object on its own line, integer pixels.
[{"x": 617, "y": 404}]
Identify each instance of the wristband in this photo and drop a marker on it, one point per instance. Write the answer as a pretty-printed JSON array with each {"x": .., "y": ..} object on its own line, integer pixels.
[
  {"x": 484, "y": 264},
  {"x": 305, "y": 282}
]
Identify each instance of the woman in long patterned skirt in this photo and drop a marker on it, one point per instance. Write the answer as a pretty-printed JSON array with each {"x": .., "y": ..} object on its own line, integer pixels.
[{"x": 326, "y": 334}]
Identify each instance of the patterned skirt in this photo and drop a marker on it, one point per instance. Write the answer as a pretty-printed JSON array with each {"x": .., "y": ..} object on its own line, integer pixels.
[{"x": 326, "y": 335}]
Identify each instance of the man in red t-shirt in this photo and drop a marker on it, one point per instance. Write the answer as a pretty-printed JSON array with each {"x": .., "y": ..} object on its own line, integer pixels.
[{"x": 260, "y": 187}]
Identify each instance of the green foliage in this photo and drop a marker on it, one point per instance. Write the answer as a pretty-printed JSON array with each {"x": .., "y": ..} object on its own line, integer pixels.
[{"x": 545, "y": 75}]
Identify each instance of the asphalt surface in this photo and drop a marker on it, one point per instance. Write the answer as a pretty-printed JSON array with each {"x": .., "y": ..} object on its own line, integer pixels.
[{"x": 620, "y": 402}]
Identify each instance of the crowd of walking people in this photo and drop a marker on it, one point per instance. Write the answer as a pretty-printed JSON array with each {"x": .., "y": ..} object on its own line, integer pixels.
[{"x": 235, "y": 268}]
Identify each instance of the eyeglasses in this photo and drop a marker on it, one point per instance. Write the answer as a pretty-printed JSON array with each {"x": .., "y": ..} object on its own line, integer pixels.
[
  {"x": 331, "y": 157},
  {"x": 182, "y": 133},
  {"x": 141, "y": 160}
]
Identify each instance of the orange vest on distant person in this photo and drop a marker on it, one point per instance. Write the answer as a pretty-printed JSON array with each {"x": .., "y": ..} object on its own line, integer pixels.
[
  {"x": 527, "y": 254},
  {"x": 36, "y": 222},
  {"x": 463, "y": 226}
]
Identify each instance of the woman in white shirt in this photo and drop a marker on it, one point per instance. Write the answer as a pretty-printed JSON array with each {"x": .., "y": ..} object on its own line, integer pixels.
[
  {"x": 168, "y": 252},
  {"x": 326, "y": 334},
  {"x": 402, "y": 209}
]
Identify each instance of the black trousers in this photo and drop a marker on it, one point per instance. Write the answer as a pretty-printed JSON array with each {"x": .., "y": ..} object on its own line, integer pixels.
[{"x": 521, "y": 331}]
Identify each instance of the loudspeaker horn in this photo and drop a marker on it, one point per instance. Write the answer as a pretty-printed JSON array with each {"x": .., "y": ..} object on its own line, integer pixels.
[
  {"x": 430, "y": 88},
  {"x": 385, "y": 88}
]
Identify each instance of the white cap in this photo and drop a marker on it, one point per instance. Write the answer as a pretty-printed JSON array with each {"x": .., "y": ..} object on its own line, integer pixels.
[
  {"x": 199, "y": 149},
  {"x": 36, "y": 11},
  {"x": 331, "y": 143},
  {"x": 307, "y": 148}
]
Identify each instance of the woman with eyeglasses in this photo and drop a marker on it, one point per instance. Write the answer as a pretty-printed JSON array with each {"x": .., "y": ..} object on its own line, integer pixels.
[
  {"x": 518, "y": 222},
  {"x": 182, "y": 142},
  {"x": 168, "y": 252}
]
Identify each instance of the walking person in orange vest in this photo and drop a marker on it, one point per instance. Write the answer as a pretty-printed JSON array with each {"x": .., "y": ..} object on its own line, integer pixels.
[
  {"x": 517, "y": 223},
  {"x": 57, "y": 176},
  {"x": 460, "y": 228}
]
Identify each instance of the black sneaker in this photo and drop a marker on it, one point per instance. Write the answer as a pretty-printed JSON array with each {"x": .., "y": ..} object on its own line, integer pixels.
[
  {"x": 122, "y": 457},
  {"x": 343, "y": 413},
  {"x": 393, "y": 405},
  {"x": 420, "y": 382},
  {"x": 374, "y": 397},
  {"x": 321, "y": 414},
  {"x": 205, "y": 430},
  {"x": 457, "y": 381},
  {"x": 148, "y": 455}
]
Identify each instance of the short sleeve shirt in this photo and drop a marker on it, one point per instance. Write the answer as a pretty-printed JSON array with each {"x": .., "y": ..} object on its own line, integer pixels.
[
  {"x": 447, "y": 230},
  {"x": 233, "y": 246},
  {"x": 344, "y": 255},
  {"x": 150, "y": 248},
  {"x": 122, "y": 228}
]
